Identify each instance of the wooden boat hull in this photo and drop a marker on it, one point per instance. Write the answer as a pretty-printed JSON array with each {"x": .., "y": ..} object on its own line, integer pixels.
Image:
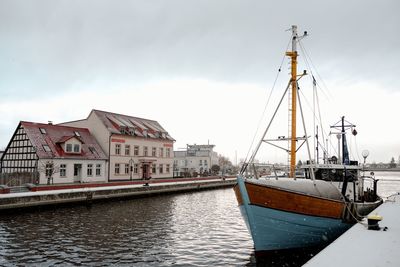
[{"x": 279, "y": 219}]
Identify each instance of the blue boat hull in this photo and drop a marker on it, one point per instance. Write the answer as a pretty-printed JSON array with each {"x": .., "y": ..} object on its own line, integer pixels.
[{"x": 273, "y": 229}]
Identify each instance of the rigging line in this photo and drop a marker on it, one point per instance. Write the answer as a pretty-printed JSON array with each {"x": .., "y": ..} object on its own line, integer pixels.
[
  {"x": 351, "y": 146},
  {"x": 313, "y": 112},
  {"x": 315, "y": 94},
  {"x": 314, "y": 82},
  {"x": 305, "y": 132},
  {"x": 303, "y": 49},
  {"x": 269, "y": 97},
  {"x": 266, "y": 130},
  {"x": 357, "y": 151},
  {"x": 312, "y": 64},
  {"x": 320, "y": 117}
]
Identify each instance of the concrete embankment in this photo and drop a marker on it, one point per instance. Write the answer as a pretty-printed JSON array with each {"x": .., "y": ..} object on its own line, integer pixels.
[
  {"x": 362, "y": 247},
  {"x": 89, "y": 193}
]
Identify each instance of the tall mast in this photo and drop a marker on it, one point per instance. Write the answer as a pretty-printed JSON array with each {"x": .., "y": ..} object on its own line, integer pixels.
[{"x": 293, "y": 56}]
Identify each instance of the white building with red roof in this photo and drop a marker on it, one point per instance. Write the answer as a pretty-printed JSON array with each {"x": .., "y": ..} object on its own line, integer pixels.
[
  {"x": 59, "y": 154},
  {"x": 137, "y": 148}
]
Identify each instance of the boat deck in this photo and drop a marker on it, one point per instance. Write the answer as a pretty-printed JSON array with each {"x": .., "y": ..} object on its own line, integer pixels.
[{"x": 362, "y": 247}]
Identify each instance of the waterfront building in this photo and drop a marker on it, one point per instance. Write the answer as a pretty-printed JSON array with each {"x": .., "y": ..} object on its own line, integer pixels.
[
  {"x": 46, "y": 154},
  {"x": 195, "y": 159},
  {"x": 137, "y": 148}
]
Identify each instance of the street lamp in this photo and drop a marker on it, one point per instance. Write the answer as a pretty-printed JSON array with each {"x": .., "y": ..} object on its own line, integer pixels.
[{"x": 131, "y": 162}]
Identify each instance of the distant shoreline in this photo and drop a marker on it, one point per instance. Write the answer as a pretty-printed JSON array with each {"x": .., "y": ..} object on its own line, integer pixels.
[{"x": 383, "y": 169}]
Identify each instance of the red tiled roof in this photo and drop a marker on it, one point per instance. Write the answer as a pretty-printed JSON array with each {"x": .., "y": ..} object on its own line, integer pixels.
[
  {"x": 56, "y": 134},
  {"x": 66, "y": 138},
  {"x": 117, "y": 123}
]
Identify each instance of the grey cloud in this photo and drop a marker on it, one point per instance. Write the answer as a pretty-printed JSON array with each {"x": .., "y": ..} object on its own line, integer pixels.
[{"x": 48, "y": 45}]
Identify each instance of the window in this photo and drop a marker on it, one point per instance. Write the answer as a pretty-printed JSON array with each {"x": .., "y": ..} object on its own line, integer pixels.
[
  {"x": 167, "y": 168},
  {"x": 117, "y": 149},
  {"x": 42, "y": 130},
  {"x": 98, "y": 169},
  {"x": 49, "y": 169},
  {"x": 92, "y": 149},
  {"x": 77, "y": 148},
  {"x": 136, "y": 151},
  {"x": 127, "y": 150},
  {"x": 69, "y": 148},
  {"x": 135, "y": 168},
  {"x": 77, "y": 170},
  {"x": 154, "y": 168},
  {"x": 168, "y": 151},
  {"x": 46, "y": 148},
  {"x": 63, "y": 170},
  {"x": 153, "y": 152},
  {"x": 161, "y": 169},
  {"x": 145, "y": 151},
  {"x": 90, "y": 170},
  {"x": 116, "y": 168},
  {"x": 161, "y": 152},
  {"x": 126, "y": 168},
  {"x": 77, "y": 133},
  {"x": 201, "y": 162},
  {"x": 205, "y": 162}
]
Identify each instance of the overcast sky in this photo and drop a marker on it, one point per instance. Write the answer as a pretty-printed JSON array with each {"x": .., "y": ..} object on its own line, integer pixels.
[{"x": 203, "y": 69}]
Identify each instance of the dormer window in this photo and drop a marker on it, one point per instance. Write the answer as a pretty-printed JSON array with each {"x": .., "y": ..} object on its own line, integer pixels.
[
  {"x": 77, "y": 148},
  {"x": 72, "y": 148},
  {"x": 68, "y": 148},
  {"x": 42, "y": 130}
]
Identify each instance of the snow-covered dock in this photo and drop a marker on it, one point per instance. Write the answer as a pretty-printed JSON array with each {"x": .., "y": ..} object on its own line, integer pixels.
[
  {"x": 88, "y": 193},
  {"x": 362, "y": 247}
]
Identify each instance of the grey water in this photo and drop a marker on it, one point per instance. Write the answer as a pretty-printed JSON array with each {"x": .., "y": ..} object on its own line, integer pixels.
[{"x": 193, "y": 229}]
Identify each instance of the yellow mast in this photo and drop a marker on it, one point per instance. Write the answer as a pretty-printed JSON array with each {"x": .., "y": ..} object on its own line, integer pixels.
[{"x": 293, "y": 56}]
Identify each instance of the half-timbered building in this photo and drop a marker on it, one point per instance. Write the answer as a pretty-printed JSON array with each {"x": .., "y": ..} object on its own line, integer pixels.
[
  {"x": 137, "y": 148},
  {"x": 57, "y": 154}
]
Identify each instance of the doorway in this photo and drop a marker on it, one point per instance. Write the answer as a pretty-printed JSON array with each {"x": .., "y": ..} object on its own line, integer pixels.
[
  {"x": 146, "y": 171},
  {"x": 77, "y": 173}
]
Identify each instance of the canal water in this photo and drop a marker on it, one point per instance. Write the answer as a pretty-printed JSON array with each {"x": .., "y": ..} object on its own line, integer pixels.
[{"x": 192, "y": 229}]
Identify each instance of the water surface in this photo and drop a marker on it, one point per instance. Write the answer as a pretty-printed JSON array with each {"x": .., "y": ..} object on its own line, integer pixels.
[{"x": 194, "y": 229}]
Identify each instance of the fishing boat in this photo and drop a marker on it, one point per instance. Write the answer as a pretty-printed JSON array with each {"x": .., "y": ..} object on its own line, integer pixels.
[{"x": 316, "y": 207}]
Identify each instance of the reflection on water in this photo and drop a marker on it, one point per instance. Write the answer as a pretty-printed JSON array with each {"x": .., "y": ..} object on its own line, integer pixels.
[
  {"x": 202, "y": 228},
  {"x": 194, "y": 229}
]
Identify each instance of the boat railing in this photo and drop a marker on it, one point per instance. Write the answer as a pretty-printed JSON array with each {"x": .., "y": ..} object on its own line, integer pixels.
[{"x": 370, "y": 194}]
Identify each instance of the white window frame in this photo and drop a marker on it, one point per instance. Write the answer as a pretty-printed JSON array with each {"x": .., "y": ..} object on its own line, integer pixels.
[
  {"x": 98, "y": 169},
  {"x": 161, "y": 169},
  {"x": 117, "y": 168},
  {"x": 63, "y": 170},
  {"x": 126, "y": 168},
  {"x": 77, "y": 148},
  {"x": 89, "y": 171},
  {"x": 68, "y": 146},
  {"x": 117, "y": 149}
]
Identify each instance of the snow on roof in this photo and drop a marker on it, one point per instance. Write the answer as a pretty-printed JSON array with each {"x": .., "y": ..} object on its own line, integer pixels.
[
  {"x": 55, "y": 135},
  {"x": 119, "y": 123}
]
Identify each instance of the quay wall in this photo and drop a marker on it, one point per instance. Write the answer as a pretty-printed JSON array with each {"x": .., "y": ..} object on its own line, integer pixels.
[{"x": 89, "y": 195}]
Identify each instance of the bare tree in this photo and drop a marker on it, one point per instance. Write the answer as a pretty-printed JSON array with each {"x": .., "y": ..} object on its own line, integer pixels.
[{"x": 49, "y": 168}]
